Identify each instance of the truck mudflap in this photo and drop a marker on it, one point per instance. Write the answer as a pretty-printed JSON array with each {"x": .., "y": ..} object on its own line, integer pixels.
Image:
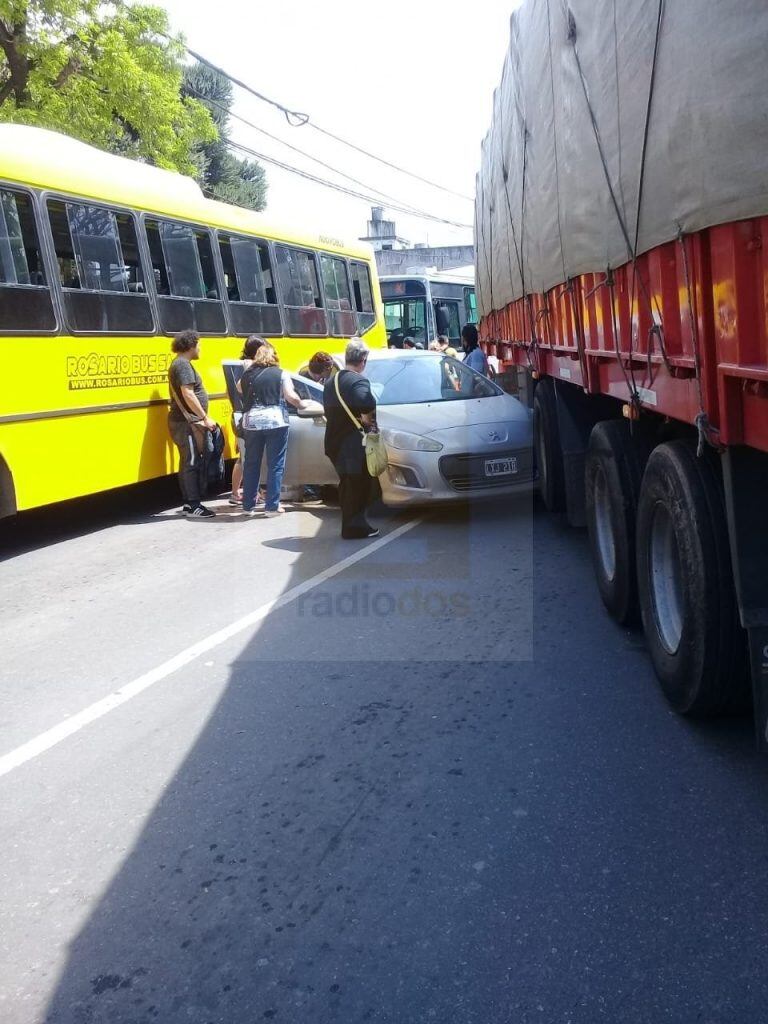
[{"x": 746, "y": 497}]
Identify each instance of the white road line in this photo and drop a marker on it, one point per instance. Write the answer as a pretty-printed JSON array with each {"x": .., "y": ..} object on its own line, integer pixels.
[{"x": 37, "y": 746}]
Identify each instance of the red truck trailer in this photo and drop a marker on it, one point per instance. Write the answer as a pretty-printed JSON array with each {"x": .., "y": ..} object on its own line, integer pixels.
[{"x": 620, "y": 223}]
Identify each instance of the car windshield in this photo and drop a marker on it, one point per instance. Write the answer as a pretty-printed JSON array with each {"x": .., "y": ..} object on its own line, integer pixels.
[{"x": 409, "y": 381}]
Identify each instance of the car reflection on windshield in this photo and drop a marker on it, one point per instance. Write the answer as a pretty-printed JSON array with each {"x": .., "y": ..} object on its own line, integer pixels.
[{"x": 405, "y": 381}]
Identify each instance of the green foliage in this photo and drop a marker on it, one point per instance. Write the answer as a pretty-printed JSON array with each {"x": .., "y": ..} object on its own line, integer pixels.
[
  {"x": 104, "y": 73},
  {"x": 223, "y": 175}
]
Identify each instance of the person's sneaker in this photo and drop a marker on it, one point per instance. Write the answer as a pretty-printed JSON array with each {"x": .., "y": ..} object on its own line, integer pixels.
[
  {"x": 185, "y": 510},
  {"x": 200, "y": 512},
  {"x": 360, "y": 534},
  {"x": 271, "y": 513},
  {"x": 235, "y": 501}
]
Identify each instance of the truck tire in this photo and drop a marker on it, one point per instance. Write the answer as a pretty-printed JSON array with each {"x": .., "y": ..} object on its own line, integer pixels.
[
  {"x": 612, "y": 475},
  {"x": 549, "y": 454},
  {"x": 685, "y": 583}
]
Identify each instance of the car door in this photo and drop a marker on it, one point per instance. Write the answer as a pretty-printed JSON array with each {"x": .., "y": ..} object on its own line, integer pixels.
[{"x": 307, "y": 462}]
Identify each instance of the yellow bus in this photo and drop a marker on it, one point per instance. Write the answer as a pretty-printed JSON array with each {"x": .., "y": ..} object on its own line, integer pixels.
[{"x": 102, "y": 260}]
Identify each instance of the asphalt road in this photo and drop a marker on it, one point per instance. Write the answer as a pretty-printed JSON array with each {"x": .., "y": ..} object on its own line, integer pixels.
[{"x": 254, "y": 773}]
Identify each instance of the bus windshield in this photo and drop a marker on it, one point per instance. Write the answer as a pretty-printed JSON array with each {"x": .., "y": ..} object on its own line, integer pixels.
[{"x": 405, "y": 318}]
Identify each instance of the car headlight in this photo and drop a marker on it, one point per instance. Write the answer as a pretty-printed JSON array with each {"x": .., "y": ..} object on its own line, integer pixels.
[{"x": 407, "y": 442}]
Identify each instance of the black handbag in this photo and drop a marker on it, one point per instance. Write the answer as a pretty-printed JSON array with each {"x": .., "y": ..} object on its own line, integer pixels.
[{"x": 214, "y": 441}]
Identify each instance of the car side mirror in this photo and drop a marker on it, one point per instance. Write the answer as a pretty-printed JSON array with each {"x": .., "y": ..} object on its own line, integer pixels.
[{"x": 312, "y": 410}]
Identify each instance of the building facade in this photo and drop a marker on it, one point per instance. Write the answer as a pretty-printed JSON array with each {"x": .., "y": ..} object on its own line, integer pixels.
[{"x": 395, "y": 255}]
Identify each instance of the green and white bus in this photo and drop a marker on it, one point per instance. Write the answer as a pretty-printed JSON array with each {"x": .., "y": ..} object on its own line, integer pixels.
[{"x": 425, "y": 303}]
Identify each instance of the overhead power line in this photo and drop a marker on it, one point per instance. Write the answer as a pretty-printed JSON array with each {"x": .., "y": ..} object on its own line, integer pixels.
[
  {"x": 381, "y": 160},
  {"x": 387, "y": 199},
  {"x": 294, "y": 117},
  {"x": 297, "y": 119},
  {"x": 409, "y": 211}
]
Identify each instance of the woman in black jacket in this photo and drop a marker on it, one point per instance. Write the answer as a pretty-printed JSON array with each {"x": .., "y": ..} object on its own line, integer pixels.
[{"x": 344, "y": 439}]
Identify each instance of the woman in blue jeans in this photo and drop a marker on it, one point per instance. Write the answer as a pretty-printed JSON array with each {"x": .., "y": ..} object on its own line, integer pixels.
[{"x": 267, "y": 391}]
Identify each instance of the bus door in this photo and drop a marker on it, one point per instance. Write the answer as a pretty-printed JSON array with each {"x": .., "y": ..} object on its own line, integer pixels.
[{"x": 448, "y": 319}]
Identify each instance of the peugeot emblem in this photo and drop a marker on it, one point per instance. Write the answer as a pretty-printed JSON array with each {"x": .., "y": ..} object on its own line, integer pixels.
[{"x": 493, "y": 435}]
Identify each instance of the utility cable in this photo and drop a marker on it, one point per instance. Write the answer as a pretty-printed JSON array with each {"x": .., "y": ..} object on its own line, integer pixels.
[
  {"x": 275, "y": 138},
  {"x": 381, "y": 160},
  {"x": 421, "y": 215},
  {"x": 297, "y": 118}
]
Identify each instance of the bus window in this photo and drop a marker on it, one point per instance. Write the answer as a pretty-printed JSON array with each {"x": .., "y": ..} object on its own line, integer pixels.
[
  {"x": 470, "y": 303},
  {"x": 250, "y": 285},
  {"x": 297, "y": 272},
  {"x": 185, "y": 277},
  {"x": 361, "y": 285},
  {"x": 337, "y": 296},
  {"x": 100, "y": 269},
  {"x": 405, "y": 318},
  {"x": 25, "y": 300}
]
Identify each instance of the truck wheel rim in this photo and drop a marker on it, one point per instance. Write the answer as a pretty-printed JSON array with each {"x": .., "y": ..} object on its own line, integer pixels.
[
  {"x": 606, "y": 545},
  {"x": 666, "y": 582}
]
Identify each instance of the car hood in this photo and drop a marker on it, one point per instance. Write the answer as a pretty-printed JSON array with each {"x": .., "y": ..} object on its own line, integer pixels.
[{"x": 429, "y": 418}]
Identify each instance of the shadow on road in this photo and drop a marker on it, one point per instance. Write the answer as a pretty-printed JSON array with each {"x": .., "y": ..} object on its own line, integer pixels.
[
  {"x": 52, "y": 524},
  {"x": 434, "y": 831}
]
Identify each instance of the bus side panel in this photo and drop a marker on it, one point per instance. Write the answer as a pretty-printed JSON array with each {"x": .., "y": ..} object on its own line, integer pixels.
[{"x": 60, "y": 458}]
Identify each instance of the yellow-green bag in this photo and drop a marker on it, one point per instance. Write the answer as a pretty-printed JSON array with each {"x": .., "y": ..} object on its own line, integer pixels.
[{"x": 375, "y": 453}]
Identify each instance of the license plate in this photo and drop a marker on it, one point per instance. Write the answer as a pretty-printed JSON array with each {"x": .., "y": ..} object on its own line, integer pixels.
[{"x": 500, "y": 467}]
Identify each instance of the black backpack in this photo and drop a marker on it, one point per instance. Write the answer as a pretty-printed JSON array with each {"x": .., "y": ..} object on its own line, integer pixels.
[{"x": 215, "y": 462}]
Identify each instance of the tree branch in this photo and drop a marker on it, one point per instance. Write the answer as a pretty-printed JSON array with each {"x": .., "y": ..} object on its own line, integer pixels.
[
  {"x": 5, "y": 90},
  {"x": 72, "y": 66},
  {"x": 18, "y": 63}
]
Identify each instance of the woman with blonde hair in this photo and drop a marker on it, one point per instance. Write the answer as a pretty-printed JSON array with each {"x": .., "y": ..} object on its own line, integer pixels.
[{"x": 267, "y": 391}]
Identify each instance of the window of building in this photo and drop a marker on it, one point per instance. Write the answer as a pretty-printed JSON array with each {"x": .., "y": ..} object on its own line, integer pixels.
[
  {"x": 363, "y": 293},
  {"x": 338, "y": 298},
  {"x": 25, "y": 299},
  {"x": 250, "y": 285},
  {"x": 300, "y": 289},
  {"x": 185, "y": 277},
  {"x": 100, "y": 269}
]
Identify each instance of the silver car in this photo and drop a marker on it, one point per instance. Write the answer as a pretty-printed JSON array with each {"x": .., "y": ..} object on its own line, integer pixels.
[{"x": 451, "y": 434}]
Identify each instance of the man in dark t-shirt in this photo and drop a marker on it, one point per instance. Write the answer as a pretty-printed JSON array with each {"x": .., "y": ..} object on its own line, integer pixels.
[
  {"x": 344, "y": 439},
  {"x": 189, "y": 423}
]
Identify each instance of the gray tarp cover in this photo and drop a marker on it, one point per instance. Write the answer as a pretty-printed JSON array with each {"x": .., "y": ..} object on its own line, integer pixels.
[{"x": 569, "y": 118}]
